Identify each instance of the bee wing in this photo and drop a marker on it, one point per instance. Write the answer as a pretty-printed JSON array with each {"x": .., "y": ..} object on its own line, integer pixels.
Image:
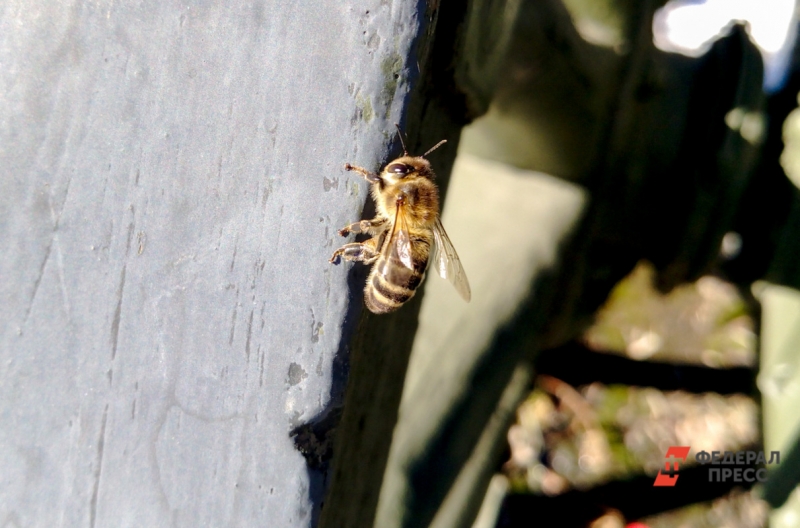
[
  {"x": 447, "y": 263},
  {"x": 400, "y": 241},
  {"x": 403, "y": 248}
]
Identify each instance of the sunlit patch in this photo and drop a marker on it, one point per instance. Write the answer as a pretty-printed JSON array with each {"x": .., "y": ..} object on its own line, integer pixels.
[
  {"x": 779, "y": 380},
  {"x": 701, "y": 323},
  {"x": 597, "y": 33},
  {"x": 643, "y": 344},
  {"x": 751, "y": 125},
  {"x": 731, "y": 245},
  {"x": 790, "y": 157},
  {"x": 567, "y": 438},
  {"x": 690, "y": 28}
]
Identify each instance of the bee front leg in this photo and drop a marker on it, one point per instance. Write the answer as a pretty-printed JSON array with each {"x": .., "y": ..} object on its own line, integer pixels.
[
  {"x": 358, "y": 252},
  {"x": 371, "y": 227},
  {"x": 369, "y": 176}
]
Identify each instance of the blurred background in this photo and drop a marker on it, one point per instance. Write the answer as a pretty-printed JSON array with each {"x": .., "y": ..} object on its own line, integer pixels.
[{"x": 626, "y": 208}]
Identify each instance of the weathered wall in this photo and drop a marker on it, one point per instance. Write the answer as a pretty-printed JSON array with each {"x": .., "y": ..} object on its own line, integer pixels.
[{"x": 170, "y": 187}]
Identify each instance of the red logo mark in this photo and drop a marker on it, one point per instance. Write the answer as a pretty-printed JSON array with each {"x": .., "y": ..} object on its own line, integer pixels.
[{"x": 673, "y": 456}]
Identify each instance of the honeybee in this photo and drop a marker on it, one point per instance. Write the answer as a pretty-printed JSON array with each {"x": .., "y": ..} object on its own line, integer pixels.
[{"x": 407, "y": 234}]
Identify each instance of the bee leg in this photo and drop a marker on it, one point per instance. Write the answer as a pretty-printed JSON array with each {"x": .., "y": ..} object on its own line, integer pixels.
[
  {"x": 371, "y": 227},
  {"x": 369, "y": 176},
  {"x": 358, "y": 252}
]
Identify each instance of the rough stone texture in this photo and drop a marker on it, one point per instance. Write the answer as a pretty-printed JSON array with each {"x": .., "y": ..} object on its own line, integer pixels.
[{"x": 170, "y": 187}]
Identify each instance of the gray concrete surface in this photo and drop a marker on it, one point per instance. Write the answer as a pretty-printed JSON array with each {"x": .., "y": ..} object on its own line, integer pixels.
[{"x": 170, "y": 187}]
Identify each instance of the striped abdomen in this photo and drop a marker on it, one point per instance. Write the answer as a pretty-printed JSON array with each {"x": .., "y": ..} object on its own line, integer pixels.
[{"x": 391, "y": 283}]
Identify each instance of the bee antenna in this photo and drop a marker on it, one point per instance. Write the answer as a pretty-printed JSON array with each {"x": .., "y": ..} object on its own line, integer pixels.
[
  {"x": 439, "y": 144},
  {"x": 400, "y": 135}
]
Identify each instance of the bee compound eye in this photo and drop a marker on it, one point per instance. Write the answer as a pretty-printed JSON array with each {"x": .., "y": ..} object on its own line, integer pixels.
[{"x": 398, "y": 168}]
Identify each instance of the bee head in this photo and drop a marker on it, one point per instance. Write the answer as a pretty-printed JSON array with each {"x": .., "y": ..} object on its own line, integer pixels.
[{"x": 406, "y": 168}]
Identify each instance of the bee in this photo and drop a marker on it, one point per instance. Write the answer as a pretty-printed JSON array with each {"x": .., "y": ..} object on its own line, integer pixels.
[{"x": 406, "y": 234}]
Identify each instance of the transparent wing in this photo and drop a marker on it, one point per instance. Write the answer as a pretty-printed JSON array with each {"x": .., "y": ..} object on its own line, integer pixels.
[
  {"x": 400, "y": 241},
  {"x": 447, "y": 263},
  {"x": 403, "y": 248}
]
